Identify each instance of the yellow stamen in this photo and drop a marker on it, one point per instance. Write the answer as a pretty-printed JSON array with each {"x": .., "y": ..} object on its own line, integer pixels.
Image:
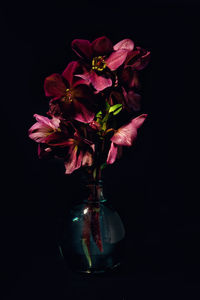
[
  {"x": 68, "y": 95},
  {"x": 98, "y": 63}
]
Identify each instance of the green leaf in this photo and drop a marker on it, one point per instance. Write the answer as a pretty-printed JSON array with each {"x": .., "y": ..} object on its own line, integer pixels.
[
  {"x": 104, "y": 125},
  {"x": 117, "y": 111},
  {"x": 115, "y": 107},
  {"x": 99, "y": 114}
]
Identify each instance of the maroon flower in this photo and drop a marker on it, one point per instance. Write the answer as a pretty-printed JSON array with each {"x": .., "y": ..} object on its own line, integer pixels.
[
  {"x": 71, "y": 98},
  {"x": 137, "y": 59},
  {"x": 100, "y": 58},
  {"x": 124, "y": 136}
]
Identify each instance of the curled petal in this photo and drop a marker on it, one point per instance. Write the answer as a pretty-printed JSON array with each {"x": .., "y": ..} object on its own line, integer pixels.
[
  {"x": 125, "y": 44},
  {"x": 54, "y": 86},
  {"x": 116, "y": 59},
  {"x": 102, "y": 46},
  {"x": 112, "y": 154},
  {"x": 126, "y": 134},
  {"x": 82, "y": 48}
]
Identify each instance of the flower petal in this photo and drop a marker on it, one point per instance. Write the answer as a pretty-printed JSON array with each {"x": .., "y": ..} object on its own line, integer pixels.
[
  {"x": 116, "y": 59},
  {"x": 82, "y": 48},
  {"x": 86, "y": 78},
  {"x": 54, "y": 86},
  {"x": 99, "y": 82},
  {"x": 87, "y": 159},
  {"x": 125, "y": 44},
  {"x": 71, "y": 68},
  {"x": 81, "y": 113},
  {"x": 74, "y": 160},
  {"x": 112, "y": 154},
  {"x": 42, "y": 128},
  {"x": 38, "y": 136},
  {"x": 134, "y": 100},
  {"x": 54, "y": 123},
  {"x": 138, "y": 59},
  {"x": 102, "y": 46},
  {"x": 58, "y": 139},
  {"x": 126, "y": 134}
]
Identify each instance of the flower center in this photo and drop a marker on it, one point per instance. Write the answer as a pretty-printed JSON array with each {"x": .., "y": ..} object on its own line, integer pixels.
[
  {"x": 68, "y": 95},
  {"x": 98, "y": 63}
]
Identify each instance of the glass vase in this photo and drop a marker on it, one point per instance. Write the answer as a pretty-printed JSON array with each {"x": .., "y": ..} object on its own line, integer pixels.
[{"x": 93, "y": 234}]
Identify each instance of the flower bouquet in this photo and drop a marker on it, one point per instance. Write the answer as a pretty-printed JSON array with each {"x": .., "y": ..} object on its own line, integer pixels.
[{"x": 93, "y": 114}]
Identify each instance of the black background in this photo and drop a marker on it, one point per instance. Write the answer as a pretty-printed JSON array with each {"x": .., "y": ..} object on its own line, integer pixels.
[{"x": 153, "y": 186}]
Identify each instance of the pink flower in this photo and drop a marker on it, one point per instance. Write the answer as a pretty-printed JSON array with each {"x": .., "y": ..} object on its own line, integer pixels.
[
  {"x": 124, "y": 136},
  {"x": 49, "y": 135},
  {"x": 76, "y": 150},
  {"x": 100, "y": 58},
  {"x": 71, "y": 98},
  {"x": 43, "y": 128}
]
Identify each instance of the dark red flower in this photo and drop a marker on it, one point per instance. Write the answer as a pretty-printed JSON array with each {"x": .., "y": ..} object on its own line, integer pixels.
[
  {"x": 137, "y": 59},
  {"x": 100, "y": 58},
  {"x": 70, "y": 97}
]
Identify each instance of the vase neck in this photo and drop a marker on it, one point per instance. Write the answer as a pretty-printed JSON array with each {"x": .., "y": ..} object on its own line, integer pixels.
[{"x": 95, "y": 192}]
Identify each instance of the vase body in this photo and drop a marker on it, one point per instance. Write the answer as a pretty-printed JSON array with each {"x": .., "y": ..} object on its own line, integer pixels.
[{"x": 93, "y": 234}]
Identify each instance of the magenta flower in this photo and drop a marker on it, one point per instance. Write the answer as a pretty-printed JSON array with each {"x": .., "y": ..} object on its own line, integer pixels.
[
  {"x": 48, "y": 134},
  {"x": 100, "y": 58},
  {"x": 71, "y": 98},
  {"x": 77, "y": 150},
  {"x": 124, "y": 136},
  {"x": 43, "y": 128}
]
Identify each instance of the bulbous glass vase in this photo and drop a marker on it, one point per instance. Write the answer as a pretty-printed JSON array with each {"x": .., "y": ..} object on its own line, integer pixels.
[{"x": 93, "y": 234}]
